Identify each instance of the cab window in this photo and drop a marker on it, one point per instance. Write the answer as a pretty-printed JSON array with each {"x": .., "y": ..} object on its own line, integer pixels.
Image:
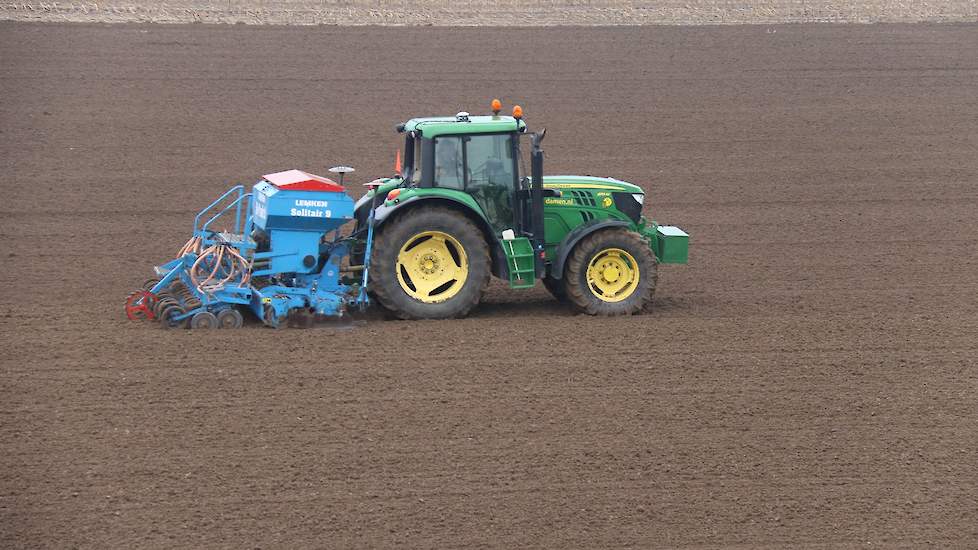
[
  {"x": 449, "y": 169},
  {"x": 416, "y": 174}
]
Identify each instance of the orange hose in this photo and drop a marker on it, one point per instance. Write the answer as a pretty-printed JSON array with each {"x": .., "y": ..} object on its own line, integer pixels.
[
  {"x": 234, "y": 263},
  {"x": 193, "y": 245}
]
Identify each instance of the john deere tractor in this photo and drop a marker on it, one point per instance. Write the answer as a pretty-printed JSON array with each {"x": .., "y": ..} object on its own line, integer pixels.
[{"x": 462, "y": 208}]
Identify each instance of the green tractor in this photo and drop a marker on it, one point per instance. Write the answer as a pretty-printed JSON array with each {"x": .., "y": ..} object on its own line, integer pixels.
[{"x": 463, "y": 208}]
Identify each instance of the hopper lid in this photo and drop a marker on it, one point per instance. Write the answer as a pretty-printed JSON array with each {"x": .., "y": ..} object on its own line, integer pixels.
[{"x": 297, "y": 180}]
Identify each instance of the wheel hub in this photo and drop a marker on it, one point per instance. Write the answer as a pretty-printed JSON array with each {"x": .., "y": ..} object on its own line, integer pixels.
[
  {"x": 429, "y": 263},
  {"x": 612, "y": 275},
  {"x": 432, "y": 266}
]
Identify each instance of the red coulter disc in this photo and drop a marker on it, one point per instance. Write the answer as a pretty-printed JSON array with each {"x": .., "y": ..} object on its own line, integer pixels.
[{"x": 139, "y": 305}]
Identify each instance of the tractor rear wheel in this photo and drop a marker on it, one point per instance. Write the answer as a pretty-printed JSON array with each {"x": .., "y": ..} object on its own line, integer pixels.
[
  {"x": 611, "y": 272},
  {"x": 429, "y": 263}
]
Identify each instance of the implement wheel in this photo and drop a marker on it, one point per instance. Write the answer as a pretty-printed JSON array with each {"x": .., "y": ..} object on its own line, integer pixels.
[
  {"x": 203, "y": 320},
  {"x": 229, "y": 318},
  {"x": 429, "y": 263},
  {"x": 168, "y": 317},
  {"x": 611, "y": 272}
]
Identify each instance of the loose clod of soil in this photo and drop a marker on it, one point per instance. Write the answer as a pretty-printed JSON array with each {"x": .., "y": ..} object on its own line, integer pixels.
[{"x": 808, "y": 381}]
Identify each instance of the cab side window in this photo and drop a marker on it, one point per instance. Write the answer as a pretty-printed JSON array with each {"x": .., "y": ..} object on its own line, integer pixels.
[
  {"x": 449, "y": 170},
  {"x": 416, "y": 175}
]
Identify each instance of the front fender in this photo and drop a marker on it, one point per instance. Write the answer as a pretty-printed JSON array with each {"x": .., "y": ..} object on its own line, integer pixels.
[{"x": 571, "y": 239}]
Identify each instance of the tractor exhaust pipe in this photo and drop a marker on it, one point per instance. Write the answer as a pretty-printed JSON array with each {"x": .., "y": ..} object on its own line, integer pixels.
[{"x": 536, "y": 201}]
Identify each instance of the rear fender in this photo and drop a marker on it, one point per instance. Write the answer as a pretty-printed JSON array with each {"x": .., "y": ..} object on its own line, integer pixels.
[{"x": 386, "y": 212}]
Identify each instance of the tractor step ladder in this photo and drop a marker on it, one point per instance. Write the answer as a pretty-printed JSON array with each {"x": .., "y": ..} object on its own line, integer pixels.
[{"x": 520, "y": 259}]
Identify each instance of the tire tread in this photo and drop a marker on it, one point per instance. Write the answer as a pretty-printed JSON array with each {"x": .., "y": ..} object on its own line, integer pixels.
[
  {"x": 383, "y": 281},
  {"x": 581, "y": 297}
]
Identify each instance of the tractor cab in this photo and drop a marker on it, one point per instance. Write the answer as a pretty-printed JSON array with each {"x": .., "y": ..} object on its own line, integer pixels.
[{"x": 476, "y": 155}]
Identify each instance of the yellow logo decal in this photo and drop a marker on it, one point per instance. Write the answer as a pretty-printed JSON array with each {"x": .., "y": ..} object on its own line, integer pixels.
[
  {"x": 266, "y": 300},
  {"x": 607, "y": 202}
]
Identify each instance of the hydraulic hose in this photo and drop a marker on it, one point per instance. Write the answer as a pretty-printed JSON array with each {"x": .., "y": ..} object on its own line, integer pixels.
[
  {"x": 228, "y": 265},
  {"x": 193, "y": 245}
]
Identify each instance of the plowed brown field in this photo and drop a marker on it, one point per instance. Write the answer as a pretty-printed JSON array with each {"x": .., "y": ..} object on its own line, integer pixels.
[{"x": 809, "y": 380}]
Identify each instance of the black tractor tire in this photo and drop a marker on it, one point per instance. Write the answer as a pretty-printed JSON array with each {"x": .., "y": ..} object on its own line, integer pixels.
[
  {"x": 580, "y": 293},
  {"x": 556, "y": 288},
  {"x": 396, "y": 233}
]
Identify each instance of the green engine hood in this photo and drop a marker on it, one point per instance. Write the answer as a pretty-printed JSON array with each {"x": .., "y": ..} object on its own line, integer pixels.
[{"x": 590, "y": 183}]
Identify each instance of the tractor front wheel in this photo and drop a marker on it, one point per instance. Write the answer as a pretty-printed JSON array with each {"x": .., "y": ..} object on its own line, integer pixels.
[
  {"x": 429, "y": 263},
  {"x": 611, "y": 272}
]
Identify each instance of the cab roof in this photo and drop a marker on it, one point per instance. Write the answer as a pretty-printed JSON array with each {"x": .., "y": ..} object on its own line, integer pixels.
[{"x": 446, "y": 125}]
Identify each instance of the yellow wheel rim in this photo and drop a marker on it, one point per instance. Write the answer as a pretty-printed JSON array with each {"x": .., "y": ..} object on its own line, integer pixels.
[
  {"x": 612, "y": 275},
  {"x": 432, "y": 267}
]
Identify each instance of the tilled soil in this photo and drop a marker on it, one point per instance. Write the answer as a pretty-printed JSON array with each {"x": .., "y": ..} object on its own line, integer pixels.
[
  {"x": 808, "y": 381},
  {"x": 499, "y": 13}
]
